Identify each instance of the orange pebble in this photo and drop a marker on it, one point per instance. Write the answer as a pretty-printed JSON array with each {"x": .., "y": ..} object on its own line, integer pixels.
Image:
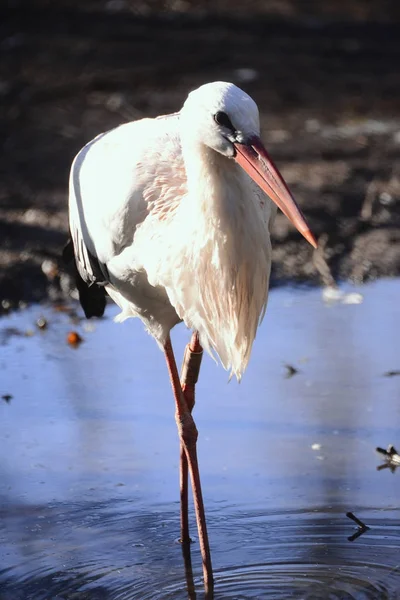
[{"x": 74, "y": 338}]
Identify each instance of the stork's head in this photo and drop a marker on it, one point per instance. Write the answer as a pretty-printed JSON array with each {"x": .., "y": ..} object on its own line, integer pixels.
[
  {"x": 219, "y": 114},
  {"x": 223, "y": 117}
]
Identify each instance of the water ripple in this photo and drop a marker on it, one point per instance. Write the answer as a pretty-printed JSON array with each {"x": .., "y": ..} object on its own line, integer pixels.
[{"x": 98, "y": 552}]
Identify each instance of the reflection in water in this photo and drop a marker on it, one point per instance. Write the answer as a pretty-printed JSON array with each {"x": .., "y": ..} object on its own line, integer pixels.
[
  {"x": 89, "y": 455},
  {"x": 187, "y": 561},
  {"x": 73, "y": 555}
]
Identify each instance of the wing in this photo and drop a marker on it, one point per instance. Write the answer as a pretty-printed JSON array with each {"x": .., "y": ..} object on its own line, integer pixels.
[
  {"x": 90, "y": 274},
  {"x": 112, "y": 192},
  {"x": 92, "y": 297},
  {"x": 89, "y": 267}
]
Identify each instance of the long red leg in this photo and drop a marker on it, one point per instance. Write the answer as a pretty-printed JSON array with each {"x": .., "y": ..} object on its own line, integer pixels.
[
  {"x": 188, "y": 436},
  {"x": 189, "y": 376}
]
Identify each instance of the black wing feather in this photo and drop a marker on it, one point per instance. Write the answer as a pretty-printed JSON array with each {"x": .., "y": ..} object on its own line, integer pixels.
[{"x": 89, "y": 277}]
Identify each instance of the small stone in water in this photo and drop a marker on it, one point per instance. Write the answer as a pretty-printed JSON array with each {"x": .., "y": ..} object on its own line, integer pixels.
[
  {"x": 41, "y": 323},
  {"x": 331, "y": 294},
  {"x": 353, "y": 298},
  {"x": 74, "y": 339}
]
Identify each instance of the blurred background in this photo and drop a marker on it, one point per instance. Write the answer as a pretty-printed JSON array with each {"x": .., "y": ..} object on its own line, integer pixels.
[
  {"x": 88, "y": 444},
  {"x": 325, "y": 76}
]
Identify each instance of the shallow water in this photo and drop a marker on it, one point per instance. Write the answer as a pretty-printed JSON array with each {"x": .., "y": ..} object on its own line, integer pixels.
[{"x": 89, "y": 458}]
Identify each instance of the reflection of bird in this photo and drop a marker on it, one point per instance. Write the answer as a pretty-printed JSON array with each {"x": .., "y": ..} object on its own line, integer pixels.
[{"x": 171, "y": 216}]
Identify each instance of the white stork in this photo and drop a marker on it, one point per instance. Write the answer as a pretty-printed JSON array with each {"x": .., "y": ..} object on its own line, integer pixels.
[{"x": 171, "y": 217}]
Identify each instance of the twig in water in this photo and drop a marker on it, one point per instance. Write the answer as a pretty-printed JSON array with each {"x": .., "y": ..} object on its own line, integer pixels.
[
  {"x": 392, "y": 458},
  {"x": 290, "y": 371},
  {"x": 362, "y": 527},
  {"x": 391, "y": 373}
]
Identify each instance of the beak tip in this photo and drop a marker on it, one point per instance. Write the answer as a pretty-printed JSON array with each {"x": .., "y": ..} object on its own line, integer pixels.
[
  {"x": 310, "y": 238},
  {"x": 255, "y": 161}
]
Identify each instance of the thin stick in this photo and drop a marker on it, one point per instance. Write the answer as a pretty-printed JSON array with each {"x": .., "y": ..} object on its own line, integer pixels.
[{"x": 356, "y": 520}]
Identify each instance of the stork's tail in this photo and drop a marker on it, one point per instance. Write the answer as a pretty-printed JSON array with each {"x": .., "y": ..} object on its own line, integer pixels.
[{"x": 92, "y": 297}]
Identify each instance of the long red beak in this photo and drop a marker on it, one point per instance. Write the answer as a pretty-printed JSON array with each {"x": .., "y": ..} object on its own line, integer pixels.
[{"x": 254, "y": 159}]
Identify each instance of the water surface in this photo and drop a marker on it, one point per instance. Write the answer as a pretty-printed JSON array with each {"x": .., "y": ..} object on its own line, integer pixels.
[{"x": 89, "y": 458}]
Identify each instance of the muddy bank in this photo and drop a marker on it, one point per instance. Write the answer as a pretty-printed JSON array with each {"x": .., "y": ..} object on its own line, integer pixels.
[{"x": 327, "y": 84}]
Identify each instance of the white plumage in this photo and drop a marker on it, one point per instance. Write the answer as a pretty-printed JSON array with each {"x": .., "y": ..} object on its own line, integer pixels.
[{"x": 180, "y": 230}]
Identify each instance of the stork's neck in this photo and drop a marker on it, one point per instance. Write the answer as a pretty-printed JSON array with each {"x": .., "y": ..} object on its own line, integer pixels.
[
  {"x": 217, "y": 187},
  {"x": 222, "y": 240}
]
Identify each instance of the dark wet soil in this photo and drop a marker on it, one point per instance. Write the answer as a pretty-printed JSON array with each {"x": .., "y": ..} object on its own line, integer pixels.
[{"x": 325, "y": 76}]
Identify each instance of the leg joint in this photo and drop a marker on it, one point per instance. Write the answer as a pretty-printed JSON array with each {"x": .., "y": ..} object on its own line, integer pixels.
[
  {"x": 191, "y": 366},
  {"x": 187, "y": 429}
]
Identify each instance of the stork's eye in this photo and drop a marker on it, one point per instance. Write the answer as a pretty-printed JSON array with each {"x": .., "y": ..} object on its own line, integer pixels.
[{"x": 222, "y": 119}]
